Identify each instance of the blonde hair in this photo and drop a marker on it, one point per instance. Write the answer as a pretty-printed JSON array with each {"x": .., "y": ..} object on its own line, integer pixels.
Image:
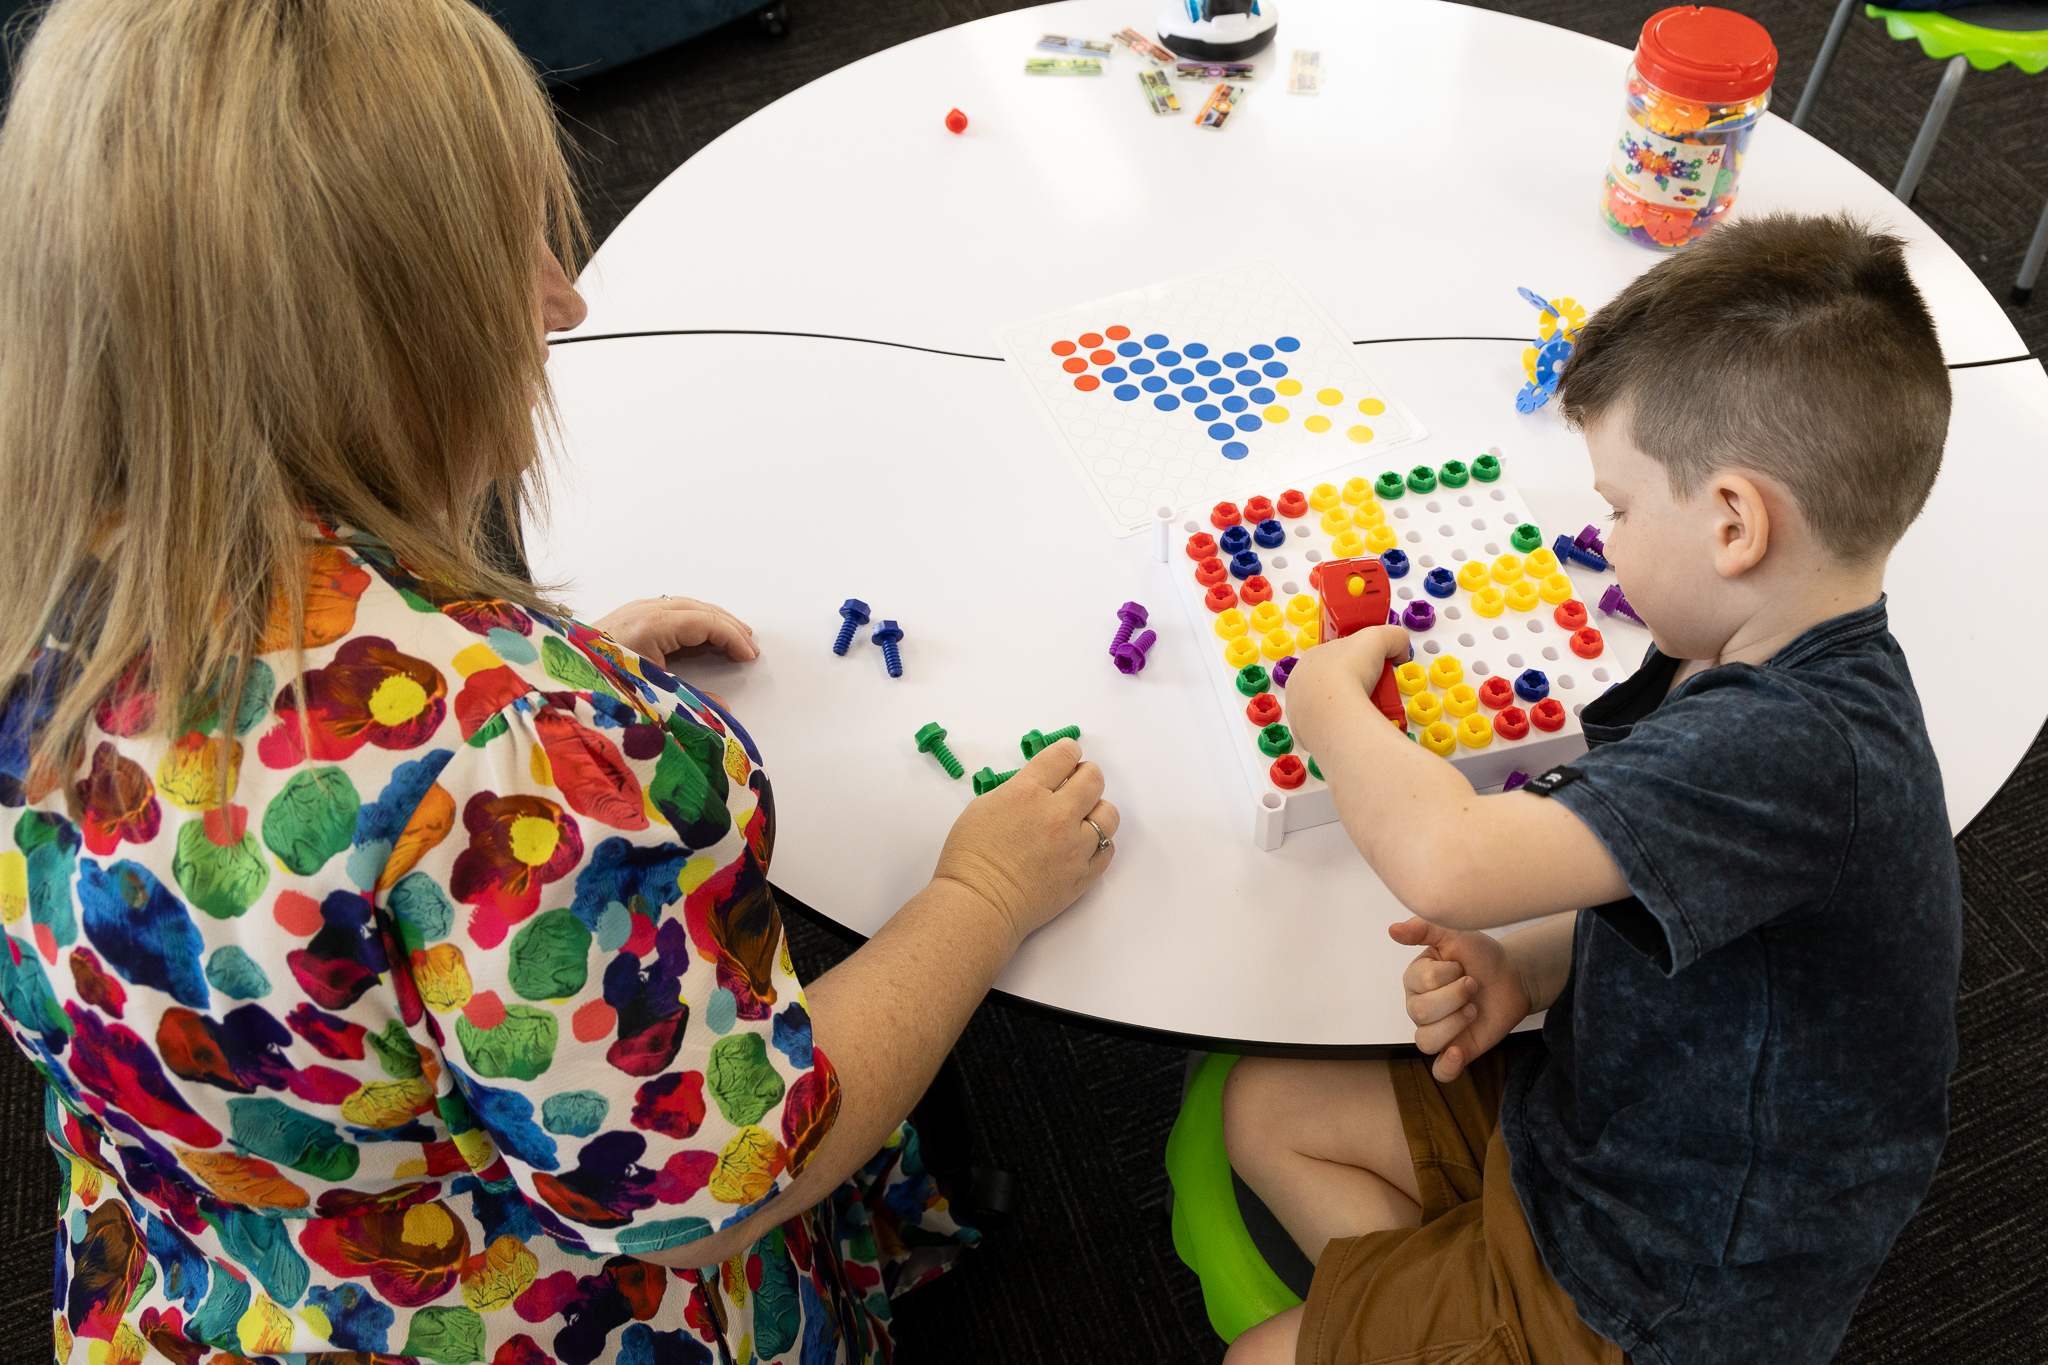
[{"x": 258, "y": 258}]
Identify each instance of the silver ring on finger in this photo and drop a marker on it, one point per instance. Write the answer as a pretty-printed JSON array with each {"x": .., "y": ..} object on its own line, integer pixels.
[{"x": 1101, "y": 839}]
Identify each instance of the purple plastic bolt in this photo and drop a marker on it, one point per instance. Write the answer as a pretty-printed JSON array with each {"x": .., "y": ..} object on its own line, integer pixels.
[
  {"x": 886, "y": 637},
  {"x": 1418, "y": 616},
  {"x": 1282, "y": 669},
  {"x": 1614, "y": 603},
  {"x": 1589, "y": 539},
  {"x": 1515, "y": 779},
  {"x": 856, "y": 613},
  {"x": 1566, "y": 548},
  {"x": 1133, "y": 616},
  {"x": 1130, "y": 655},
  {"x": 1393, "y": 618}
]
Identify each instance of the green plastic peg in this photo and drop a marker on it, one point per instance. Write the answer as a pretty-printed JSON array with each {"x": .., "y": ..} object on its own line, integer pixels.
[
  {"x": 1034, "y": 743},
  {"x": 1252, "y": 680},
  {"x": 1422, "y": 479},
  {"x": 1454, "y": 474},
  {"x": 1526, "y": 537},
  {"x": 1486, "y": 469},
  {"x": 1389, "y": 485},
  {"x": 988, "y": 779},
  {"x": 932, "y": 740},
  {"x": 1313, "y": 770},
  {"x": 1276, "y": 740}
]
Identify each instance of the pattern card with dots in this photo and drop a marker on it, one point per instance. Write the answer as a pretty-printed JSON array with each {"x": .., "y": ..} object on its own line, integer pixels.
[
  {"x": 1171, "y": 395},
  {"x": 1508, "y": 640}
]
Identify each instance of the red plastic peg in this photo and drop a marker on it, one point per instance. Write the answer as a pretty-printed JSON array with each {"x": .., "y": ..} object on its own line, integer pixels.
[
  {"x": 1570, "y": 614},
  {"x": 956, "y": 122},
  {"x": 1221, "y": 598},
  {"x": 1293, "y": 503},
  {"x": 1512, "y": 723},
  {"x": 1264, "y": 710},
  {"x": 1210, "y": 572},
  {"x": 1257, "y": 510},
  {"x": 1547, "y": 714},
  {"x": 1224, "y": 515},
  {"x": 1586, "y": 643},
  {"x": 1255, "y": 590},
  {"x": 1201, "y": 546},
  {"x": 1496, "y": 692},
  {"x": 1287, "y": 772}
]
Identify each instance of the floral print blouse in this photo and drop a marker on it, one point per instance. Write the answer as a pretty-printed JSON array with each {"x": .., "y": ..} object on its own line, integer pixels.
[{"x": 472, "y": 987}]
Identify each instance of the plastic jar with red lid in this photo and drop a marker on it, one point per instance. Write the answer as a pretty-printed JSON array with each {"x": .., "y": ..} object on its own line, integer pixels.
[{"x": 1696, "y": 90}]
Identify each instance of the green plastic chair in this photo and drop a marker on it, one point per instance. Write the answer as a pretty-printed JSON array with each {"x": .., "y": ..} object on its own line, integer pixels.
[
  {"x": 1993, "y": 35},
  {"x": 1239, "y": 1289}
]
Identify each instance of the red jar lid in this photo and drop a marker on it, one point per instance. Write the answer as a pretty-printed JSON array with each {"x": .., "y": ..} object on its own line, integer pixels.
[{"x": 1698, "y": 53}]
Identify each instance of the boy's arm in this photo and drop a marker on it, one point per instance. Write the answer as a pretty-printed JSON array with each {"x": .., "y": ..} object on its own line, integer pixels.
[{"x": 1450, "y": 855}]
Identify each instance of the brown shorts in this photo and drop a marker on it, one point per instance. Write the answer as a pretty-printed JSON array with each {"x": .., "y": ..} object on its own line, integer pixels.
[{"x": 1467, "y": 1287}]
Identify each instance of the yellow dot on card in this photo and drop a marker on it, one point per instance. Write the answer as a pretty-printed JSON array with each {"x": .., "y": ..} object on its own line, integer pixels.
[
  {"x": 1371, "y": 407},
  {"x": 1360, "y": 434},
  {"x": 1290, "y": 387},
  {"x": 1330, "y": 398},
  {"x": 1276, "y": 413},
  {"x": 1317, "y": 423}
]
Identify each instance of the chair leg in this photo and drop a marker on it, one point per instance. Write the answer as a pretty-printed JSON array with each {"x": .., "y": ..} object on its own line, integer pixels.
[
  {"x": 2030, "y": 269},
  {"x": 1822, "y": 62},
  {"x": 1930, "y": 128}
]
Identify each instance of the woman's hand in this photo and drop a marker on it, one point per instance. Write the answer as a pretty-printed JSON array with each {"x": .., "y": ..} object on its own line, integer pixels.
[
  {"x": 663, "y": 628},
  {"x": 1465, "y": 993},
  {"x": 1025, "y": 848},
  {"x": 1331, "y": 673}
]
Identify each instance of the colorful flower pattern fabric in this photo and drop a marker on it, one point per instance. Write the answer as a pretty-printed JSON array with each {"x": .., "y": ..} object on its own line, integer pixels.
[{"x": 467, "y": 988}]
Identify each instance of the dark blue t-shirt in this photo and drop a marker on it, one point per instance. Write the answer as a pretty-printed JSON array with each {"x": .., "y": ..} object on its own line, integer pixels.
[{"x": 1743, "y": 1093}]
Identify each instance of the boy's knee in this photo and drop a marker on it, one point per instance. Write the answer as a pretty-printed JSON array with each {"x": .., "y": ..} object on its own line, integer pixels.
[
  {"x": 1250, "y": 1097},
  {"x": 1272, "y": 1342}
]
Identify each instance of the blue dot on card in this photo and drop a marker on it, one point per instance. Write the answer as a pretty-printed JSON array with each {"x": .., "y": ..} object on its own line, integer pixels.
[
  {"x": 1261, "y": 395},
  {"x": 1274, "y": 369},
  {"x": 1208, "y": 367},
  {"x": 1153, "y": 383},
  {"x": 1221, "y": 385},
  {"x": 1195, "y": 349},
  {"x": 1208, "y": 412},
  {"x": 1247, "y": 377},
  {"x": 1248, "y": 422},
  {"x": 1181, "y": 376},
  {"x": 1168, "y": 357},
  {"x": 1288, "y": 344},
  {"x": 1156, "y": 340},
  {"x": 1141, "y": 366},
  {"x": 1128, "y": 348},
  {"x": 1234, "y": 359},
  {"x": 1262, "y": 352},
  {"x": 1127, "y": 392},
  {"x": 1235, "y": 450},
  {"x": 1221, "y": 431},
  {"x": 1114, "y": 375},
  {"x": 1166, "y": 402},
  {"x": 1233, "y": 404},
  {"x": 1194, "y": 393}
]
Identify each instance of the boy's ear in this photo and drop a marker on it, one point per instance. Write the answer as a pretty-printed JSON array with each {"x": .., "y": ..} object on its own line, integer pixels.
[{"x": 1742, "y": 522}]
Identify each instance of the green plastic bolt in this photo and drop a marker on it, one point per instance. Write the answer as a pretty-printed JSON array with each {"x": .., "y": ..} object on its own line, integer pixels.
[
  {"x": 988, "y": 779},
  {"x": 1389, "y": 485},
  {"x": 1486, "y": 469},
  {"x": 1034, "y": 743},
  {"x": 1252, "y": 680},
  {"x": 1454, "y": 474},
  {"x": 1526, "y": 537},
  {"x": 1314, "y": 771},
  {"x": 1422, "y": 479},
  {"x": 1276, "y": 740},
  {"x": 932, "y": 740}
]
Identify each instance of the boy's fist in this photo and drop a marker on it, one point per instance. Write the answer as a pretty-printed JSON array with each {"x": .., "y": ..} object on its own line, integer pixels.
[{"x": 1464, "y": 993}]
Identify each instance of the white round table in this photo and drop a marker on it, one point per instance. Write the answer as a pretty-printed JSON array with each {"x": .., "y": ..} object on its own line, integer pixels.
[{"x": 1453, "y": 155}]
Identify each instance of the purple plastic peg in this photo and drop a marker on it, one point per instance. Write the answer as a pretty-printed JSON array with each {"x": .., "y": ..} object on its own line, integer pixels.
[
  {"x": 1282, "y": 669},
  {"x": 1589, "y": 539},
  {"x": 1615, "y": 604},
  {"x": 1515, "y": 779},
  {"x": 1418, "y": 616}
]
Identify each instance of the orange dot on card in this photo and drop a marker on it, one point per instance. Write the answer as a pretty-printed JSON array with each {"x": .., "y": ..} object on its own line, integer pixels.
[
  {"x": 593, "y": 1021},
  {"x": 1102, "y": 358},
  {"x": 1087, "y": 383},
  {"x": 1116, "y": 333},
  {"x": 1091, "y": 339},
  {"x": 1073, "y": 364},
  {"x": 1063, "y": 348},
  {"x": 297, "y": 913}
]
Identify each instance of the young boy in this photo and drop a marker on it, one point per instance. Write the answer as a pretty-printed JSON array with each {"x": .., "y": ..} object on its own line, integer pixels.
[{"x": 1739, "y": 1095}]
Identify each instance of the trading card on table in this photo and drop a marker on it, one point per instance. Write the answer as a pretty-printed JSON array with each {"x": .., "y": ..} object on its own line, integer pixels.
[
  {"x": 1145, "y": 47},
  {"x": 1159, "y": 91},
  {"x": 1305, "y": 75},
  {"x": 1063, "y": 66},
  {"x": 1221, "y": 101},
  {"x": 1052, "y": 42},
  {"x": 1214, "y": 71}
]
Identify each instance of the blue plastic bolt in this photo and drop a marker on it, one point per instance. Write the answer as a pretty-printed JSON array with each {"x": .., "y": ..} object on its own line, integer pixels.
[
  {"x": 1244, "y": 565},
  {"x": 1270, "y": 535},
  {"x": 887, "y": 636},
  {"x": 1564, "y": 548},
  {"x": 856, "y": 613},
  {"x": 1130, "y": 657},
  {"x": 1532, "y": 686},
  {"x": 1395, "y": 562},
  {"x": 1235, "y": 540},
  {"x": 1440, "y": 583},
  {"x": 1133, "y": 616}
]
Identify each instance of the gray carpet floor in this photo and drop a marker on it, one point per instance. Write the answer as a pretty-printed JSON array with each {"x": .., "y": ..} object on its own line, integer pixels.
[{"x": 1086, "y": 1272}]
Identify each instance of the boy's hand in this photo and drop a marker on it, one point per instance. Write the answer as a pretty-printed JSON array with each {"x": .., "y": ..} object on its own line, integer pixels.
[
  {"x": 1334, "y": 670},
  {"x": 1464, "y": 993}
]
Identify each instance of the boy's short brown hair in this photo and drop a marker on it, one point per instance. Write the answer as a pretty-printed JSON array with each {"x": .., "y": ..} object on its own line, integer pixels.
[{"x": 1796, "y": 347}]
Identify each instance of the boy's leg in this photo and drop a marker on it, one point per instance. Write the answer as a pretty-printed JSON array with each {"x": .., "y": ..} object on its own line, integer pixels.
[
  {"x": 1321, "y": 1144},
  {"x": 1272, "y": 1342}
]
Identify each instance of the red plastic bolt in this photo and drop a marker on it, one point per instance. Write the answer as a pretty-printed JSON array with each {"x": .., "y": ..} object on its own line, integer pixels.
[
  {"x": 1547, "y": 714},
  {"x": 1256, "y": 589},
  {"x": 1496, "y": 692},
  {"x": 1264, "y": 710},
  {"x": 1586, "y": 643},
  {"x": 1287, "y": 772},
  {"x": 1201, "y": 546},
  {"x": 956, "y": 122},
  {"x": 1221, "y": 598},
  {"x": 1293, "y": 503},
  {"x": 1570, "y": 614},
  {"x": 1257, "y": 510},
  {"x": 1224, "y": 514},
  {"x": 1512, "y": 723},
  {"x": 1210, "y": 572}
]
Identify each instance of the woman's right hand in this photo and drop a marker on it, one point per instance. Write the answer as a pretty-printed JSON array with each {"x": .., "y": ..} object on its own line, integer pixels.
[{"x": 1025, "y": 848}]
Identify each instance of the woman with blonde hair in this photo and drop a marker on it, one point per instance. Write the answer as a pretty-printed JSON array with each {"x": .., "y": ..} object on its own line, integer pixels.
[{"x": 400, "y": 952}]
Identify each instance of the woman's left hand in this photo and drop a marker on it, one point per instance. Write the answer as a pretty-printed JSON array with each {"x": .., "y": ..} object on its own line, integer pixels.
[{"x": 662, "y": 628}]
